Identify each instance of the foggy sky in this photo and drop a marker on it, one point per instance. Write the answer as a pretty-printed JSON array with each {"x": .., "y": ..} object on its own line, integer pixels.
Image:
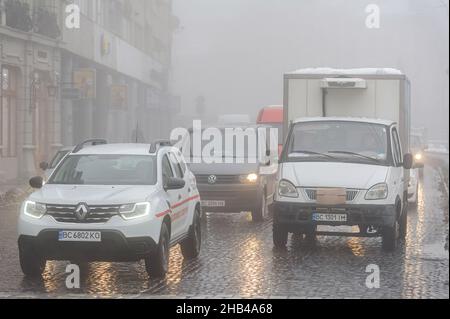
[{"x": 235, "y": 52}]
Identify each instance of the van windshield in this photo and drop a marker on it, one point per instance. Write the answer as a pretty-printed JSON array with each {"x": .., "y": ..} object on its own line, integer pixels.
[
  {"x": 338, "y": 141},
  {"x": 106, "y": 170}
]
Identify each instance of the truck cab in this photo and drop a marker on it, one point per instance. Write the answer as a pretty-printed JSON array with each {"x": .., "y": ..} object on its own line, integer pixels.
[{"x": 344, "y": 169}]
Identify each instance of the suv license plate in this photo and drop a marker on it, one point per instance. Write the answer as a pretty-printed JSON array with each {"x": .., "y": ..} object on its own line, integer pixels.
[
  {"x": 321, "y": 217},
  {"x": 80, "y": 236}
]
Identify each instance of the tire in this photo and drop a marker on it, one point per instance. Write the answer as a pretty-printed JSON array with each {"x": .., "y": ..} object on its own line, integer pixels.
[
  {"x": 390, "y": 237},
  {"x": 262, "y": 211},
  {"x": 32, "y": 265},
  {"x": 310, "y": 236},
  {"x": 280, "y": 236},
  {"x": 190, "y": 247},
  {"x": 403, "y": 227},
  {"x": 157, "y": 263}
]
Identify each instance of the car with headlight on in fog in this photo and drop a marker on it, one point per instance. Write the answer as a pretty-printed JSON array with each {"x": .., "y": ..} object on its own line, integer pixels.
[
  {"x": 235, "y": 167},
  {"x": 112, "y": 202}
]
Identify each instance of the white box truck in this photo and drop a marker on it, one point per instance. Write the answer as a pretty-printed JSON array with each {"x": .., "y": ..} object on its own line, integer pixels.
[{"x": 344, "y": 169}]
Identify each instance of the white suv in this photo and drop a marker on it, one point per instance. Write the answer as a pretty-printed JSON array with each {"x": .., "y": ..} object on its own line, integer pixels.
[{"x": 112, "y": 202}]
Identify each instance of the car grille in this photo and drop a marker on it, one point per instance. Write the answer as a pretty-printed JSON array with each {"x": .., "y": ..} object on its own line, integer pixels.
[
  {"x": 221, "y": 179},
  {"x": 311, "y": 193},
  {"x": 97, "y": 214}
]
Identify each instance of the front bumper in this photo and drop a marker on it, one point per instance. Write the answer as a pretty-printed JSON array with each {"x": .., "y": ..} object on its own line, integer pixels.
[
  {"x": 237, "y": 197},
  {"x": 297, "y": 216},
  {"x": 113, "y": 247}
]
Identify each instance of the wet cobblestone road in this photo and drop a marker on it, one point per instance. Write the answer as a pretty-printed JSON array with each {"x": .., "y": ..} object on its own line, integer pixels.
[{"x": 238, "y": 260}]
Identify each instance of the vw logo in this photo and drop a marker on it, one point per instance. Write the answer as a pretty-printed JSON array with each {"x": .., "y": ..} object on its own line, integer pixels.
[
  {"x": 212, "y": 179},
  {"x": 81, "y": 211}
]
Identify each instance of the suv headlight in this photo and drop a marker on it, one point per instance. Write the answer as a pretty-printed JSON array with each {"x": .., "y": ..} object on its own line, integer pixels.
[
  {"x": 34, "y": 210},
  {"x": 133, "y": 211},
  {"x": 379, "y": 191},
  {"x": 287, "y": 189},
  {"x": 250, "y": 178}
]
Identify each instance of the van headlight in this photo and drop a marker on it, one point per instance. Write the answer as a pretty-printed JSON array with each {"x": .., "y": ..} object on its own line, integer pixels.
[
  {"x": 287, "y": 189},
  {"x": 418, "y": 157},
  {"x": 133, "y": 211},
  {"x": 378, "y": 191},
  {"x": 34, "y": 210},
  {"x": 250, "y": 178}
]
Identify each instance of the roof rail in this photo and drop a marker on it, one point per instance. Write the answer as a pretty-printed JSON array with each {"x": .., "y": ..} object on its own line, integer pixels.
[
  {"x": 157, "y": 144},
  {"x": 93, "y": 142}
]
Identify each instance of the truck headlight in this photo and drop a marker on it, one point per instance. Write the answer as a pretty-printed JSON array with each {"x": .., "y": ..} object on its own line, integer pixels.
[
  {"x": 287, "y": 189},
  {"x": 250, "y": 178},
  {"x": 34, "y": 210},
  {"x": 378, "y": 191},
  {"x": 418, "y": 157},
  {"x": 133, "y": 211}
]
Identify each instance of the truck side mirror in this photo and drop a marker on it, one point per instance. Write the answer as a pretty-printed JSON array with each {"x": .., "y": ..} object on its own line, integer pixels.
[
  {"x": 408, "y": 161},
  {"x": 37, "y": 182},
  {"x": 43, "y": 166}
]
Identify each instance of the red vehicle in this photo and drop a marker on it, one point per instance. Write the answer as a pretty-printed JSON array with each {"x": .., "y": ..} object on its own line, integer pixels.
[{"x": 273, "y": 116}]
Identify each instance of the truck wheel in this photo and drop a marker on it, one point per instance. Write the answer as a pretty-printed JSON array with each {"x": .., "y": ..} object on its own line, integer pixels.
[
  {"x": 310, "y": 236},
  {"x": 157, "y": 263},
  {"x": 280, "y": 236},
  {"x": 190, "y": 247},
  {"x": 390, "y": 237},
  {"x": 403, "y": 227},
  {"x": 32, "y": 265},
  {"x": 262, "y": 211}
]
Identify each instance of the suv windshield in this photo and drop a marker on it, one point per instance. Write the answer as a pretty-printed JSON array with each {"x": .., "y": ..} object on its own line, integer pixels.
[
  {"x": 106, "y": 170},
  {"x": 338, "y": 140},
  {"x": 57, "y": 158}
]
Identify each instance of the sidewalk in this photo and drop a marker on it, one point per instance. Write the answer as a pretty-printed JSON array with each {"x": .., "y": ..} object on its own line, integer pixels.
[{"x": 12, "y": 191}]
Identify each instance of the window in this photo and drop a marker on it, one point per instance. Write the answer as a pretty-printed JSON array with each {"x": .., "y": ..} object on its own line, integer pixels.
[
  {"x": 106, "y": 170},
  {"x": 8, "y": 112},
  {"x": 166, "y": 169},
  {"x": 176, "y": 165},
  {"x": 398, "y": 158}
]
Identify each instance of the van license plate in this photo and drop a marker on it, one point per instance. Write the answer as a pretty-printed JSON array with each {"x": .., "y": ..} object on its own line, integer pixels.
[
  {"x": 321, "y": 217},
  {"x": 80, "y": 236},
  {"x": 213, "y": 203}
]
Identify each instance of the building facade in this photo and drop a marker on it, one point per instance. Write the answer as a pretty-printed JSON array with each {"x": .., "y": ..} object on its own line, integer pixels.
[{"x": 60, "y": 85}]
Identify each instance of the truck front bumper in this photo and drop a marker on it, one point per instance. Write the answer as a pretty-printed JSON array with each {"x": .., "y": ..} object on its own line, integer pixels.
[{"x": 296, "y": 217}]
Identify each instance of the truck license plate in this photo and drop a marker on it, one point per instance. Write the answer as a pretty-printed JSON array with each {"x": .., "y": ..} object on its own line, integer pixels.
[{"x": 322, "y": 217}]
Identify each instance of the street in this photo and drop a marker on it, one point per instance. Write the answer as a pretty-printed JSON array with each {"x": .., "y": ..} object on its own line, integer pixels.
[{"x": 238, "y": 260}]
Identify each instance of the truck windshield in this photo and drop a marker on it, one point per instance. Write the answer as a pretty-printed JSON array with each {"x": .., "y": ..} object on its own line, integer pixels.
[
  {"x": 338, "y": 140},
  {"x": 106, "y": 170}
]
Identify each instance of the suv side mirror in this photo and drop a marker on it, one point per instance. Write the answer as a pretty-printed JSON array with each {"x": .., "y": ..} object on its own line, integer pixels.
[
  {"x": 173, "y": 183},
  {"x": 43, "y": 166},
  {"x": 37, "y": 182},
  {"x": 408, "y": 161}
]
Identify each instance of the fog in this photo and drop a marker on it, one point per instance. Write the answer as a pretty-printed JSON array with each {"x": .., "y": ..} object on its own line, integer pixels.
[{"x": 234, "y": 53}]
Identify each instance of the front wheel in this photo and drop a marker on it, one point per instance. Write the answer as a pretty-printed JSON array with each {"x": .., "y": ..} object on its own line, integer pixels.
[
  {"x": 157, "y": 263},
  {"x": 280, "y": 236},
  {"x": 262, "y": 211},
  {"x": 391, "y": 237},
  {"x": 190, "y": 247},
  {"x": 32, "y": 265}
]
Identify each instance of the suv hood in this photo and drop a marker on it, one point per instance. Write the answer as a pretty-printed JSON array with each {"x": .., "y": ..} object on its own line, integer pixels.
[
  {"x": 223, "y": 169},
  {"x": 326, "y": 174},
  {"x": 92, "y": 195}
]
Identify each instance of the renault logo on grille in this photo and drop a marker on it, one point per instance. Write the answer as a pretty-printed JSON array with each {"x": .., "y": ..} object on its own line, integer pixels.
[
  {"x": 81, "y": 211},
  {"x": 212, "y": 179}
]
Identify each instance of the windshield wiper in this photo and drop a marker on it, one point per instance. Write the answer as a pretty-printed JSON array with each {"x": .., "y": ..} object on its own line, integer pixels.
[
  {"x": 314, "y": 153},
  {"x": 355, "y": 154}
]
